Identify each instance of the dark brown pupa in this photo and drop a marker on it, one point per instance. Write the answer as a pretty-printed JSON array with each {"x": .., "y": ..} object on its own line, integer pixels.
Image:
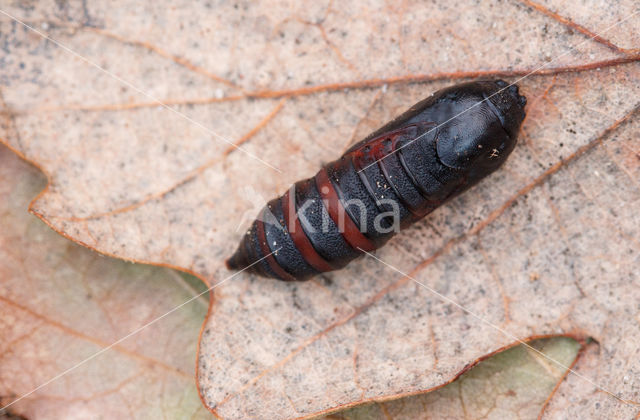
[{"x": 438, "y": 148}]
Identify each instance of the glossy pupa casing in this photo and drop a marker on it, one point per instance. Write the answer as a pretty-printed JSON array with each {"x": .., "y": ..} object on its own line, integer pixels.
[{"x": 438, "y": 148}]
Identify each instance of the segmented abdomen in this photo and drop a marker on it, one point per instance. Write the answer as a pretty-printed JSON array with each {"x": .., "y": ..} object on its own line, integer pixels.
[{"x": 351, "y": 205}]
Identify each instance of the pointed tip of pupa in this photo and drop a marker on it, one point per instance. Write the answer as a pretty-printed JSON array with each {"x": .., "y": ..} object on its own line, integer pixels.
[{"x": 237, "y": 261}]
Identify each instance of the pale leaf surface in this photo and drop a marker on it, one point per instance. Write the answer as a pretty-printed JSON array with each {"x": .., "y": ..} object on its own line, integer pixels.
[
  {"x": 514, "y": 384},
  {"x": 546, "y": 245}
]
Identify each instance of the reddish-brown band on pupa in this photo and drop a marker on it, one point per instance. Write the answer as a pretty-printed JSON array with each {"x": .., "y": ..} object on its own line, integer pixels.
[{"x": 438, "y": 148}]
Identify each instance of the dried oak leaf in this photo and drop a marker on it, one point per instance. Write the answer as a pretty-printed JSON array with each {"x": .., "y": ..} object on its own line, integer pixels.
[
  {"x": 36, "y": 265},
  {"x": 61, "y": 303},
  {"x": 547, "y": 245}
]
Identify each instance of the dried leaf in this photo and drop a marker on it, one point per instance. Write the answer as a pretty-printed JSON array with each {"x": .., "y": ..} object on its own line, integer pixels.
[
  {"x": 513, "y": 384},
  {"x": 545, "y": 246},
  {"x": 61, "y": 303}
]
